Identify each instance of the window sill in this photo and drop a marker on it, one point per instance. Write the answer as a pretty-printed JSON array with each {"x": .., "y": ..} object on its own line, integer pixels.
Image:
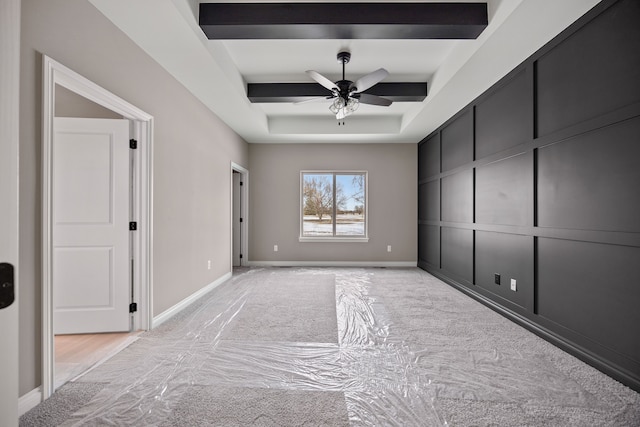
[{"x": 333, "y": 239}]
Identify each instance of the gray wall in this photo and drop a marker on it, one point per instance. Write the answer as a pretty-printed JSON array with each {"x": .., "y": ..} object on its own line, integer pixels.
[
  {"x": 192, "y": 155},
  {"x": 70, "y": 104},
  {"x": 537, "y": 180},
  {"x": 275, "y": 201}
]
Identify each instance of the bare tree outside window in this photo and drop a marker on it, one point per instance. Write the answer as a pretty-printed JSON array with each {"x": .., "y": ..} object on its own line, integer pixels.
[
  {"x": 318, "y": 196},
  {"x": 333, "y": 204}
]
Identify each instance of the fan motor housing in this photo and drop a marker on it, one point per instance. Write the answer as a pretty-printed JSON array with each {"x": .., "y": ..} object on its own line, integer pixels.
[{"x": 344, "y": 87}]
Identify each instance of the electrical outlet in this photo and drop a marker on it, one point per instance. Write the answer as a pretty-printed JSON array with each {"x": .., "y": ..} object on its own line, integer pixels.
[
  {"x": 513, "y": 284},
  {"x": 496, "y": 278},
  {"x": 275, "y": 248},
  {"x": 209, "y": 265},
  {"x": 388, "y": 248}
]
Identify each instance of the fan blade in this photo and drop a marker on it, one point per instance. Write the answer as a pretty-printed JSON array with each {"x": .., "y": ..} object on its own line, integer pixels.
[
  {"x": 365, "y": 98},
  {"x": 320, "y": 98},
  {"x": 322, "y": 80},
  {"x": 365, "y": 82}
]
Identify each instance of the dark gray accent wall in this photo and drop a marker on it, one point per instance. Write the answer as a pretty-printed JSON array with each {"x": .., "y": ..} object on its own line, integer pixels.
[
  {"x": 584, "y": 181},
  {"x": 457, "y": 197},
  {"x": 538, "y": 180},
  {"x": 456, "y": 252},
  {"x": 504, "y": 190},
  {"x": 456, "y": 141},
  {"x": 591, "y": 72},
  {"x": 511, "y": 256},
  {"x": 504, "y": 116}
]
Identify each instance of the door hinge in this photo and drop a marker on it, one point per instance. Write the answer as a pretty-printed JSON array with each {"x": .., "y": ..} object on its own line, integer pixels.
[
  {"x": 241, "y": 183},
  {"x": 133, "y": 144},
  {"x": 240, "y": 219},
  {"x": 133, "y": 307},
  {"x": 133, "y": 226},
  {"x": 240, "y": 256}
]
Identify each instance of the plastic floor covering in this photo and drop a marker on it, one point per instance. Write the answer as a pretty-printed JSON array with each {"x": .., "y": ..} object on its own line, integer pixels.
[{"x": 331, "y": 346}]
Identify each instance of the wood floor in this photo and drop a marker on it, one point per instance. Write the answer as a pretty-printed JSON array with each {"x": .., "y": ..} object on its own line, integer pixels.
[{"x": 75, "y": 354}]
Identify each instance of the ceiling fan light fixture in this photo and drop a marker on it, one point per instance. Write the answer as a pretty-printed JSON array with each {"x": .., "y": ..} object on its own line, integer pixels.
[
  {"x": 342, "y": 108},
  {"x": 346, "y": 94},
  {"x": 352, "y": 106},
  {"x": 337, "y": 105}
]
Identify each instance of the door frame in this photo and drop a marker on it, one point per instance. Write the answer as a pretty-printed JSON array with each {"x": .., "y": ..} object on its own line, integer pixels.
[
  {"x": 9, "y": 177},
  {"x": 244, "y": 214},
  {"x": 141, "y": 129}
]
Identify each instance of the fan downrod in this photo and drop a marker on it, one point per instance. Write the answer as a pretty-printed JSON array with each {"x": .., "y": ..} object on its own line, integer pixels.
[{"x": 344, "y": 85}]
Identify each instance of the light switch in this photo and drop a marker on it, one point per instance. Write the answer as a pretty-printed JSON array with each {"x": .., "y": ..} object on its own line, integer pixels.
[{"x": 513, "y": 284}]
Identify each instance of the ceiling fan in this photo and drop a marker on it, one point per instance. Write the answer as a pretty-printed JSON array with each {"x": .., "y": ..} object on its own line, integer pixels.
[{"x": 347, "y": 95}]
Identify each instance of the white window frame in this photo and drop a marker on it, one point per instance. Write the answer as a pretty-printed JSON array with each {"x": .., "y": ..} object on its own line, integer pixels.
[{"x": 335, "y": 239}]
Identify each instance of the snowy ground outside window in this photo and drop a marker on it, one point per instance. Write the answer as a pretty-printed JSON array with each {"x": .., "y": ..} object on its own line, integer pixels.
[{"x": 347, "y": 225}]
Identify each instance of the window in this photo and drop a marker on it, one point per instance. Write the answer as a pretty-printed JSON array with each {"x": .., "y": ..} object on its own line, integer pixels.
[{"x": 333, "y": 206}]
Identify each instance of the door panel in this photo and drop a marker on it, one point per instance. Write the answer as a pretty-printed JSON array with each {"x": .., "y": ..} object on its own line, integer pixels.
[
  {"x": 98, "y": 289},
  {"x": 83, "y": 182},
  {"x": 91, "y": 291}
]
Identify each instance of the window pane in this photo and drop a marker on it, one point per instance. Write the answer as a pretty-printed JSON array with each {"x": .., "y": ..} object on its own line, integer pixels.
[
  {"x": 317, "y": 205},
  {"x": 350, "y": 203}
]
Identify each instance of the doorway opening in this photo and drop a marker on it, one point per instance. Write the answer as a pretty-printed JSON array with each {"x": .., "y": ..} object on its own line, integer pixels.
[
  {"x": 239, "y": 216},
  {"x": 59, "y": 80}
]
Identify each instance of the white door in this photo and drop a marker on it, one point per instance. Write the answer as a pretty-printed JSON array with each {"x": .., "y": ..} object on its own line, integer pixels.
[
  {"x": 9, "y": 98},
  {"x": 91, "y": 290}
]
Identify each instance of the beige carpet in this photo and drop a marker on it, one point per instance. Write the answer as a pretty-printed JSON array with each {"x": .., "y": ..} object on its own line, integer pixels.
[{"x": 313, "y": 346}]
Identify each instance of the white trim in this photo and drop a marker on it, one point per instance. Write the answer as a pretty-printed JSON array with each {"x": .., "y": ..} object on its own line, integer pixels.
[
  {"x": 169, "y": 313},
  {"x": 244, "y": 213},
  {"x": 336, "y": 239},
  {"x": 333, "y": 263},
  {"x": 29, "y": 401},
  {"x": 54, "y": 74},
  {"x": 333, "y": 239},
  {"x": 10, "y": 217},
  {"x": 143, "y": 238}
]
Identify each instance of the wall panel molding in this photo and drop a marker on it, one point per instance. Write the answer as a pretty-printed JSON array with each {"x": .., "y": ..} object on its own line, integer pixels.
[{"x": 550, "y": 152}]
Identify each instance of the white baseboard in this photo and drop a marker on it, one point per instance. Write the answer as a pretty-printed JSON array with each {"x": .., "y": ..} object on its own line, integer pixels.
[
  {"x": 169, "y": 313},
  {"x": 332, "y": 263},
  {"x": 29, "y": 401}
]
